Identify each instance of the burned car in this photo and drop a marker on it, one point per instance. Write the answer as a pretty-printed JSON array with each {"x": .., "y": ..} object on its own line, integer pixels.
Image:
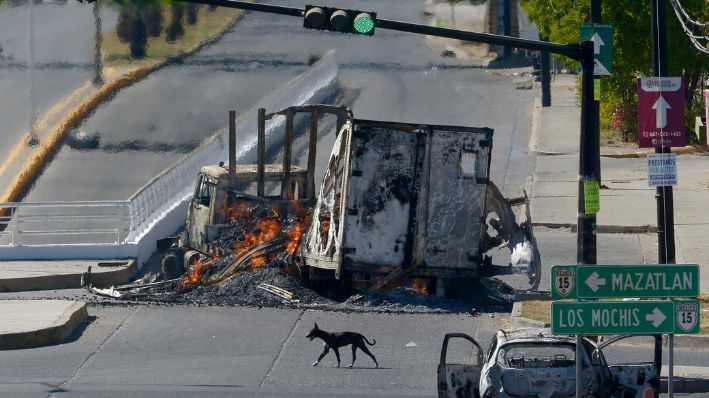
[{"x": 535, "y": 363}]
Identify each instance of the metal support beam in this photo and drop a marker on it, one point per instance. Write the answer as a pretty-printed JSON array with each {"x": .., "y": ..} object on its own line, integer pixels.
[
  {"x": 312, "y": 152},
  {"x": 287, "y": 146},
  {"x": 261, "y": 150},
  {"x": 232, "y": 149}
]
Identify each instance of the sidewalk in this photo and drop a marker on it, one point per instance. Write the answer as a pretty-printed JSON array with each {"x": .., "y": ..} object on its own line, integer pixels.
[
  {"x": 32, "y": 323},
  {"x": 18, "y": 276},
  {"x": 628, "y": 205}
]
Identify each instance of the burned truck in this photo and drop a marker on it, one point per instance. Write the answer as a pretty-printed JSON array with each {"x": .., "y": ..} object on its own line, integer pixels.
[
  {"x": 396, "y": 200},
  {"x": 416, "y": 199}
]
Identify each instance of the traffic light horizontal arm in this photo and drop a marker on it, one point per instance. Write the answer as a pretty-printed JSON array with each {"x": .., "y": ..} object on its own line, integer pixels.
[
  {"x": 570, "y": 50},
  {"x": 243, "y": 5}
]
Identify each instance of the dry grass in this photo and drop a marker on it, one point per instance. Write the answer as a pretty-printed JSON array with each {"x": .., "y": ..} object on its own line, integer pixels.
[
  {"x": 209, "y": 24},
  {"x": 540, "y": 310}
]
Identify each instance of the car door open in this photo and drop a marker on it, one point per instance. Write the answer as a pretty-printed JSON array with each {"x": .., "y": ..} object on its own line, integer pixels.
[{"x": 457, "y": 380}]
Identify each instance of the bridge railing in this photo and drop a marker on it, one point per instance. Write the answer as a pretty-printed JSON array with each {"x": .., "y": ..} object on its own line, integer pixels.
[{"x": 100, "y": 222}]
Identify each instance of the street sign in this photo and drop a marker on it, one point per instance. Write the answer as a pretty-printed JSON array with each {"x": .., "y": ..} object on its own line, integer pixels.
[
  {"x": 661, "y": 112},
  {"x": 602, "y": 37},
  {"x": 625, "y": 317},
  {"x": 662, "y": 169},
  {"x": 618, "y": 281}
]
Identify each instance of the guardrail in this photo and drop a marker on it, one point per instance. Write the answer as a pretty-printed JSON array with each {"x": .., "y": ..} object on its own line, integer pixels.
[{"x": 63, "y": 222}]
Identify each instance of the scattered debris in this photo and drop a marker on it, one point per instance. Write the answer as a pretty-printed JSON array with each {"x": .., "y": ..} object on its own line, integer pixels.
[{"x": 283, "y": 293}]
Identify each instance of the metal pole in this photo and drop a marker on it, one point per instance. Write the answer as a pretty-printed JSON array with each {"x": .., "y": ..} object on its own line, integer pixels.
[
  {"x": 261, "y": 150},
  {"x": 586, "y": 227},
  {"x": 546, "y": 76},
  {"x": 232, "y": 149},
  {"x": 596, "y": 18},
  {"x": 579, "y": 362},
  {"x": 586, "y": 223},
  {"x": 664, "y": 196}
]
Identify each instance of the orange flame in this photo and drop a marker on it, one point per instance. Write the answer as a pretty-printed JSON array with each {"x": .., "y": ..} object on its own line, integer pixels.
[
  {"x": 195, "y": 271},
  {"x": 420, "y": 285}
]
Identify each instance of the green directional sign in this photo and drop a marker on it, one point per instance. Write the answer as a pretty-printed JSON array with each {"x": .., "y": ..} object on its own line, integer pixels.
[
  {"x": 602, "y": 37},
  {"x": 624, "y": 281},
  {"x": 625, "y": 317},
  {"x": 661, "y": 281}
]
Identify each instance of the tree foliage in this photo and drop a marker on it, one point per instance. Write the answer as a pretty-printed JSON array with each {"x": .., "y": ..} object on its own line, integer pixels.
[{"x": 561, "y": 20}]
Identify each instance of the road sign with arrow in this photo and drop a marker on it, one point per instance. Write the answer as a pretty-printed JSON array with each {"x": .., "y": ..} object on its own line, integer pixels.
[
  {"x": 602, "y": 37},
  {"x": 625, "y": 281},
  {"x": 661, "y": 112},
  {"x": 625, "y": 317}
]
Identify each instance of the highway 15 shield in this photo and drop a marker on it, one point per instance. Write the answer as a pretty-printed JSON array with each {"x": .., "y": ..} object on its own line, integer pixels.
[
  {"x": 563, "y": 281},
  {"x": 661, "y": 112},
  {"x": 687, "y": 316}
]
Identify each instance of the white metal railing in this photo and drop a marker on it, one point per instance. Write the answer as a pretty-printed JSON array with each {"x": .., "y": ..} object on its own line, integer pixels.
[{"x": 23, "y": 223}]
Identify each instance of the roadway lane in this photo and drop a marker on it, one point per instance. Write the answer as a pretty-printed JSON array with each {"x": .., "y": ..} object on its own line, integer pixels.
[
  {"x": 63, "y": 44},
  {"x": 209, "y": 351},
  {"x": 396, "y": 77}
]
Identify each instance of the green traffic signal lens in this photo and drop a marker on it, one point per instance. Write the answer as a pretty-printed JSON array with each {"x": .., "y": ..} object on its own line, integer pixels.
[{"x": 364, "y": 24}]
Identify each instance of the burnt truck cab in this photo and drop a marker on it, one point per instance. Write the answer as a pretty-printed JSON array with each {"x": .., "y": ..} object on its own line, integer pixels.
[
  {"x": 209, "y": 209},
  {"x": 401, "y": 198}
]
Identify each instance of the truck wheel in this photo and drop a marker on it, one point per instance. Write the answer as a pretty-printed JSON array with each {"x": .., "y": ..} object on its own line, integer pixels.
[{"x": 171, "y": 266}]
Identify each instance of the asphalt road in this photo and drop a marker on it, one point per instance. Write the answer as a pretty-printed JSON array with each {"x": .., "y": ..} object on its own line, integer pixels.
[
  {"x": 394, "y": 76},
  {"x": 191, "y": 351},
  {"x": 63, "y": 42}
]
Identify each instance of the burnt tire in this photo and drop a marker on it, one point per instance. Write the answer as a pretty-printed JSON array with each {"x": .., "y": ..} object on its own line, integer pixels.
[{"x": 171, "y": 266}]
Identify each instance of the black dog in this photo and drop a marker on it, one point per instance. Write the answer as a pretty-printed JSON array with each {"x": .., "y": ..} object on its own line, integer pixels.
[{"x": 337, "y": 340}]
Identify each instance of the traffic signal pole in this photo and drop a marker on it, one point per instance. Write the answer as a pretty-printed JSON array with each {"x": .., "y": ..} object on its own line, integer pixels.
[{"x": 596, "y": 19}]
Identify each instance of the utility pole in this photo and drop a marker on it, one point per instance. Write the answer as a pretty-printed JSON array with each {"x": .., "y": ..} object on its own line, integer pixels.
[{"x": 665, "y": 199}]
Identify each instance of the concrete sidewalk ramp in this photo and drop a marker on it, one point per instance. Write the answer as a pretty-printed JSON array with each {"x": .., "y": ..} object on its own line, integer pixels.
[{"x": 34, "y": 323}]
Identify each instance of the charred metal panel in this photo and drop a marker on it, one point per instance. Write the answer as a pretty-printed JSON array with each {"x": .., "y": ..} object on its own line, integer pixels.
[
  {"x": 382, "y": 194},
  {"x": 322, "y": 242},
  {"x": 456, "y": 199}
]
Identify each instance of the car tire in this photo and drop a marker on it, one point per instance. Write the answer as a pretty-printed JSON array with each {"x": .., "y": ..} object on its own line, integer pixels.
[{"x": 171, "y": 266}]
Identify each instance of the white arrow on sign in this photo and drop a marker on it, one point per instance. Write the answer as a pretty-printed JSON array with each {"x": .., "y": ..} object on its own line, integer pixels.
[
  {"x": 656, "y": 317},
  {"x": 597, "y": 43},
  {"x": 593, "y": 281},
  {"x": 661, "y": 106}
]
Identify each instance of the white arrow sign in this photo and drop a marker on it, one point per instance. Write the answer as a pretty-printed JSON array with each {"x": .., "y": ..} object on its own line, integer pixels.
[
  {"x": 597, "y": 43},
  {"x": 661, "y": 106},
  {"x": 593, "y": 281},
  {"x": 656, "y": 317}
]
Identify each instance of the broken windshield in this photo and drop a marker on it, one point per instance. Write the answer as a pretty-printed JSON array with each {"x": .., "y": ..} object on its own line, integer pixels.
[{"x": 537, "y": 355}]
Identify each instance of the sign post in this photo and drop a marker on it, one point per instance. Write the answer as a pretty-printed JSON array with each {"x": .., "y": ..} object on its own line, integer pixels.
[{"x": 661, "y": 112}]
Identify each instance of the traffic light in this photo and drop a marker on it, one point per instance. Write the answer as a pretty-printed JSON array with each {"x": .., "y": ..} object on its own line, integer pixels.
[{"x": 339, "y": 20}]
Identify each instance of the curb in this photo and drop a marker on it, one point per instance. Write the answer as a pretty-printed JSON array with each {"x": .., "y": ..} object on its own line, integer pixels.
[
  {"x": 59, "y": 331},
  {"x": 685, "y": 150},
  {"x": 603, "y": 229},
  {"x": 49, "y": 146},
  {"x": 70, "y": 281}
]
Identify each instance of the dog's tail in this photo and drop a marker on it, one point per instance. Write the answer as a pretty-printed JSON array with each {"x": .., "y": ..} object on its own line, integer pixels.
[{"x": 367, "y": 341}]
